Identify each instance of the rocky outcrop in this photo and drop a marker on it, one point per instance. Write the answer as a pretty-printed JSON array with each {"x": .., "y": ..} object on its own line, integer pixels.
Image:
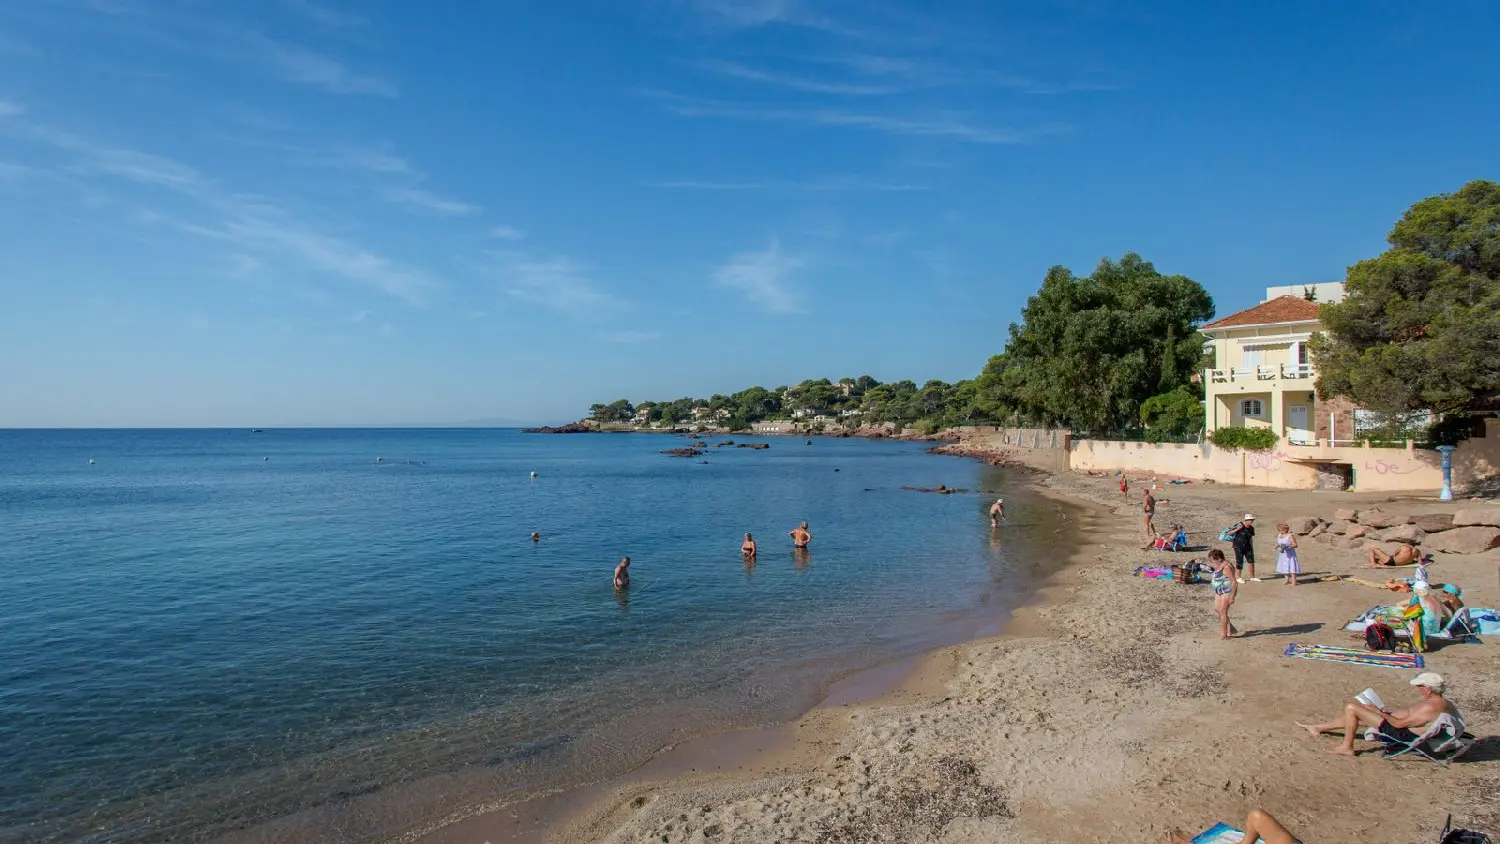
[
  {"x": 756, "y": 446},
  {"x": 1433, "y": 522},
  {"x": 1410, "y": 534},
  {"x": 1485, "y": 516},
  {"x": 1465, "y": 540},
  {"x": 1382, "y": 519},
  {"x": 1340, "y": 527},
  {"x": 1346, "y": 514},
  {"x": 1357, "y": 531},
  {"x": 1303, "y": 525},
  {"x": 570, "y": 428},
  {"x": 1318, "y": 530},
  {"x": 682, "y": 452}
]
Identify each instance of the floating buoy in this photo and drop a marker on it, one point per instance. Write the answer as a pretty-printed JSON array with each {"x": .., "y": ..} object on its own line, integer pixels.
[
  {"x": 265, "y": 458},
  {"x": 91, "y": 461}
]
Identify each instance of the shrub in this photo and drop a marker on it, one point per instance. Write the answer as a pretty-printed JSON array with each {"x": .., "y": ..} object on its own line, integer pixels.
[{"x": 1250, "y": 439}]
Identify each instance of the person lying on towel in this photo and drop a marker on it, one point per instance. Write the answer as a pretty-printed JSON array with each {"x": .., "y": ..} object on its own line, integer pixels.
[
  {"x": 1401, "y": 726},
  {"x": 1259, "y": 825}
]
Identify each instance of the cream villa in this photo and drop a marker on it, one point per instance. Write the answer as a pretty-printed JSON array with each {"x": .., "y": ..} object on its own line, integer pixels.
[{"x": 1262, "y": 375}]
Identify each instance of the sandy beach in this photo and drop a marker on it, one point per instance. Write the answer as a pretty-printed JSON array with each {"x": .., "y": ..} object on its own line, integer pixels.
[{"x": 1109, "y": 710}]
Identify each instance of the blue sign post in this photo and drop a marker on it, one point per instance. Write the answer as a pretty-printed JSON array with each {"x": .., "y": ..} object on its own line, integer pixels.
[{"x": 1447, "y": 493}]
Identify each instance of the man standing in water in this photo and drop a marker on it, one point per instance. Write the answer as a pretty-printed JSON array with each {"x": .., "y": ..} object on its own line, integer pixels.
[
  {"x": 800, "y": 536},
  {"x": 997, "y": 512},
  {"x": 622, "y": 574},
  {"x": 747, "y": 548}
]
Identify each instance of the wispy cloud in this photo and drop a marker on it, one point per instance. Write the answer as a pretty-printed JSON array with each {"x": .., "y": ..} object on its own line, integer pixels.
[
  {"x": 325, "y": 16},
  {"x": 632, "y": 336},
  {"x": 10, "y": 109},
  {"x": 799, "y": 83},
  {"x": 507, "y": 233},
  {"x": 764, "y": 278},
  {"x": 297, "y": 64},
  {"x": 830, "y": 184},
  {"x": 559, "y": 284},
  {"x": 955, "y": 127},
  {"x": 373, "y": 160},
  {"x": 428, "y": 202},
  {"x": 253, "y": 226}
]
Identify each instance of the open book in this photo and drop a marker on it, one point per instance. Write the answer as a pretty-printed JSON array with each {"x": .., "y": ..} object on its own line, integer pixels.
[{"x": 1369, "y": 698}]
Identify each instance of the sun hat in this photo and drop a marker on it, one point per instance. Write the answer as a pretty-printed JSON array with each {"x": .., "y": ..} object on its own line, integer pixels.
[
  {"x": 1431, "y": 680},
  {"x": 1249, "y": 517},
  {"x": 1453, "y": 590}
]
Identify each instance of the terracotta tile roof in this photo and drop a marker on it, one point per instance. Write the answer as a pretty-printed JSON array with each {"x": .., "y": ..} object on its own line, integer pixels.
[{"x": 1280, "y": 309}]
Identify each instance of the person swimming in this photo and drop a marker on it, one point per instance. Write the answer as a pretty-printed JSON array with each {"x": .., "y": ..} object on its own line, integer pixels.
[
  {"x": 622, "y": 574},
  {"x": 536, "y": 537},
  {"x": 747, "y": 548},
  {"x": 800, "y": 536}
]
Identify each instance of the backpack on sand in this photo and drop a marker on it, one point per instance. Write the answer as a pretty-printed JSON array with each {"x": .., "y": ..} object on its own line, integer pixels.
[{"x": 1380, "y": 637}]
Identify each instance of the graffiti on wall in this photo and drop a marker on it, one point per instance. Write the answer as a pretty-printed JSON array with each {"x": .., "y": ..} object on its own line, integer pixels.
[
  {"x": 1266, "y": 461},
  {"x": 1382, "y": 467}
]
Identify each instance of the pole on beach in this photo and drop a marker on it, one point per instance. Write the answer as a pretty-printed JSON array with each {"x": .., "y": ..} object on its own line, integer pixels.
[{"x": 1447, "y": 493}]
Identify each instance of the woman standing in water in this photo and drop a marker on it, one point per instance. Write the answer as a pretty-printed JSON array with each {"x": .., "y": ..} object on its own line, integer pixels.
[
  {"x": 1225, "y": 591},
  {"x": 800, "y": 536},
  {"x": 747, "y": 548}
]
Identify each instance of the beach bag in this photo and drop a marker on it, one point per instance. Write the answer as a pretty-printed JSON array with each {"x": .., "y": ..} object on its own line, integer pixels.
[
  {"x": 1224, "y": 534},
  {"x": 1187, "y": 573},
  {"x": 1380, "y": 637},
  {"x": 1462, "y": 836}
]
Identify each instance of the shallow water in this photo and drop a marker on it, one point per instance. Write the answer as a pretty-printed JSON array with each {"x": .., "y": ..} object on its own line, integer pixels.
[{"x": 208, "y": 630}]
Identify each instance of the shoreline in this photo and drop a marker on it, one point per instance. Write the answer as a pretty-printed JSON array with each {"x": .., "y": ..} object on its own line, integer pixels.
[
  {"x": 1106, "y": 710},
  {"x": 748, "y": 754}
]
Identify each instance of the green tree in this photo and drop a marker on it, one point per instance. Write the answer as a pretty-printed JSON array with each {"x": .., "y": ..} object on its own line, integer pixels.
[
  {"x": 619, "y": 410},
  {"x": 1419, "y": 327},
  {"x": 1088, "y": 351},
  {"x": 1176, "y": 416}
]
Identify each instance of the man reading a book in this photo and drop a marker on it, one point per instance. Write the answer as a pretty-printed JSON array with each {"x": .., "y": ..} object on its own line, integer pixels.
[{"x": 1401, "y": 725}]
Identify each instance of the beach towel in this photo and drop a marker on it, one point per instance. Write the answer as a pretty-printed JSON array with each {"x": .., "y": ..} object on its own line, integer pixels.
[
  {"x": 1487, "y": 620},
  {"x": 1224, "y": 534},
  {"x": 1157, "y": 572},
  {"x": 1329, "y": 653},
  {"x": 1219, "y": 833}
]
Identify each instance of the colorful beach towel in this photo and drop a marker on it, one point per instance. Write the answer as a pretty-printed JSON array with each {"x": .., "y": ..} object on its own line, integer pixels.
[
  {"x": 1158, "y": 572},
  {"x": 1219, "y": 833},
  {"x": 1329, "y": 653}
]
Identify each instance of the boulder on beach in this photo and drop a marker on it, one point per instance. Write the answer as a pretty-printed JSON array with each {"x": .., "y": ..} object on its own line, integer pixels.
[
  {"x": 1382, "y": 519},
  {"x": 1339, "y": 526},
  {"x": 1410, "y": 534},
  {"x": 1487, "y": 516},
  {"x": 1434, "y": 522},
  {"x": 1357, "y": 531},
  {"x": 1320, "y": 529},
  {"x": 1474, "y": 539},
  {"x": 1346, "y": 514},
  {"x": 1303, "y": 525}
]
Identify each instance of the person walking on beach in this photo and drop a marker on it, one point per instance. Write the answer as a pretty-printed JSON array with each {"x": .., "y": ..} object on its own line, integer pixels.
[
  {"x": 997, "y": 512},
  {"x": 1242, "y": 537},
  {"x": 800, "y": 536},
  {"x": 1124, "y": 487},
  {"x": 622, "y": 574},
  {"x": 747, "y": 548},
  {"x": 1225, "y": 591},
  {"x": 1148, "y": 504},
  {"x": 1286, "y": 554}
]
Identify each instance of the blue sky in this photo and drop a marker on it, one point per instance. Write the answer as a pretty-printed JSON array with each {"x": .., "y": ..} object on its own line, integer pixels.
[{"x": 335, "y": 212}]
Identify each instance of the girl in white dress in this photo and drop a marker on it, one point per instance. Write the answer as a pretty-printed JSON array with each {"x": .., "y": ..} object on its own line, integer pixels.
[{"x": 1286, "y": 554}]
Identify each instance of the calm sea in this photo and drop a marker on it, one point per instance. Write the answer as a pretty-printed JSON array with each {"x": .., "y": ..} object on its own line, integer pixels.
[{"x": 206, "y": 630}]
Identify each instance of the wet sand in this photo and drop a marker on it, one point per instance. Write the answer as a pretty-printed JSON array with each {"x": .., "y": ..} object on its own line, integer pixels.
[{"x": 1108, "y": 711}]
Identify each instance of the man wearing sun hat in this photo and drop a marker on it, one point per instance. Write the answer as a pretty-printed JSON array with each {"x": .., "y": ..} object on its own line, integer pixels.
[
  {"x": 1400, "y": 726},
  {"x": 1242, "y": 536}
]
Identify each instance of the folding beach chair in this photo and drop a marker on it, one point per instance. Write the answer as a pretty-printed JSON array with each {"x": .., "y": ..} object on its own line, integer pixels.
[
  {"x": 1443, "y": 741},
  {"x": 1461, "y": 836}
]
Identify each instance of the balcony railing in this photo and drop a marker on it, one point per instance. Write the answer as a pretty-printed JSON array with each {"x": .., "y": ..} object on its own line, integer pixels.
[{"x": 1285, "y": 371}]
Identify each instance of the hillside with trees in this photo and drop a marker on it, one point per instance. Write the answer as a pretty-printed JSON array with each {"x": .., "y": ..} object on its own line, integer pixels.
[{"x": 1112, "y": 353}]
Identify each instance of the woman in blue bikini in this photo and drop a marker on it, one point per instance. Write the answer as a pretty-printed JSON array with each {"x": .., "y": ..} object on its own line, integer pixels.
[{"x": 1225, "y": 590}]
